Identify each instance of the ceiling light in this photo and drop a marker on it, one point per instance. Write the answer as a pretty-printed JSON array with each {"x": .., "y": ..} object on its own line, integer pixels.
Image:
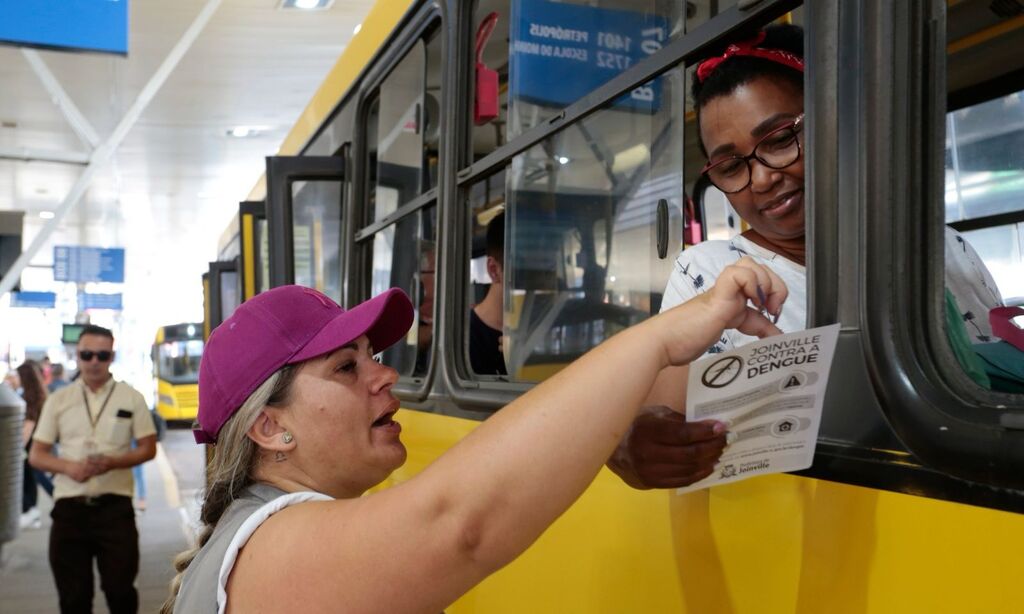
[
  {"x": 307, "y": 5},
  {"x": 46, "y": 215},
  {"x": 356, "y": 30},
  {"x": 563, "y": 160},
  {"x": 242, "y": 132}
]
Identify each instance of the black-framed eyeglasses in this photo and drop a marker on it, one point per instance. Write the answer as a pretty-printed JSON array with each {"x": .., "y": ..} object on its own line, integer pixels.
[
  {"x": 102, "y": 355},
  {"x": 776, "y": 150}
]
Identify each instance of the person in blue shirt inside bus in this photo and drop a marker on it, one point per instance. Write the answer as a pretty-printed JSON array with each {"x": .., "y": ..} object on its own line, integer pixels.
[{"x": 750, "y": 115}]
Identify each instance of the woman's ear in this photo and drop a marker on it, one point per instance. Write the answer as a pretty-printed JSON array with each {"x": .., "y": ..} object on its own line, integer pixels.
[
  {"x": 495, "y": 270},
  {"x": 269, "y": 435}
]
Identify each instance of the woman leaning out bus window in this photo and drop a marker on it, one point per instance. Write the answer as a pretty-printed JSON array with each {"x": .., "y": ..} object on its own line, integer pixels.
[
  {"x": 750, "y": 116},
  {"x": 303, "y": 420}
]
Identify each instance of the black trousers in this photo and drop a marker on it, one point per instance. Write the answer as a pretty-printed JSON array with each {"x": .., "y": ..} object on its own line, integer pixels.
[
  {"x": 29, "y": 488},
  {"x": 102, "y": 528}
]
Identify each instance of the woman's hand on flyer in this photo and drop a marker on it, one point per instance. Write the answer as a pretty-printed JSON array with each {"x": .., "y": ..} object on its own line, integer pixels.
[{"x": 747, "y": 297}]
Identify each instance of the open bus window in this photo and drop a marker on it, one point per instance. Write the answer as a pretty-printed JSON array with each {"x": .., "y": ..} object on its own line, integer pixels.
[
  {"x": 984, "y": 200},
  {"x": 582, "y": 261},
  {"x": 562, "y": 51},
  {"x": 404, "y": 256}
]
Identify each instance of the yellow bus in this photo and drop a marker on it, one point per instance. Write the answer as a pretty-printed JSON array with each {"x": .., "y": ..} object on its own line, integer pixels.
[
  {"x": 176, "y": 353},
  {"x": 429, "y": 124}
]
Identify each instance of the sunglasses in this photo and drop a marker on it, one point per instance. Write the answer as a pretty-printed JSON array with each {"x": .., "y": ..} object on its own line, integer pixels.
[{"x": 102, "y": 355}]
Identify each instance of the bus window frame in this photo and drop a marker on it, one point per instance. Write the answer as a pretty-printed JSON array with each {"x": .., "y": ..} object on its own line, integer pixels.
[
  {"x": 282, "y": 172},
  {"x": 428, "y": 19},
  {"x": 488, "y": 393},
  {"x": 215, "y": 316},
  {"x": 250, "y": 212},
  {"x": 943, "y": 418}
]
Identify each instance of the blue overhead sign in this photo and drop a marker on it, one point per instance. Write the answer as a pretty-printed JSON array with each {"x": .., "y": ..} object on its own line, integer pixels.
[
  {"x": 99, "y": 301},
  {"x": 86, "y": 25},
  {"x": 562, "y": 52},
  {"x": 38, "y": 300},
  {"x": 78, "y": 264}
]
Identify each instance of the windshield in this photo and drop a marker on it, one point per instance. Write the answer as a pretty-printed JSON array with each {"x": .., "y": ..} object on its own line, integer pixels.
[{"x": 179, "y": 361}]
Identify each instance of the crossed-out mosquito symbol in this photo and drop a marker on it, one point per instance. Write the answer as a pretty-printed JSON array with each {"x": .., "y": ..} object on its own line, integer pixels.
[{"x": 722, "y": 372}]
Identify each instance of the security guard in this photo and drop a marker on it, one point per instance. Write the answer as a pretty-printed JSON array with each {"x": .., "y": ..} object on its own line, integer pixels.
[{"x": 94, "y": 420}]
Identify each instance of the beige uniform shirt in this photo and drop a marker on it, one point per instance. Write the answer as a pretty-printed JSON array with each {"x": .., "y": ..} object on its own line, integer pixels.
[{"x": 83, "y": 422}]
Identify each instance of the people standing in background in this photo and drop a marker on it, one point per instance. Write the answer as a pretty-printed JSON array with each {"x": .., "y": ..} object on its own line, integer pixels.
[
  {"x": 33, "y": 391},
  {"x": 57, "y": 380},
  {"x": 95, "y": 420},
  {"x": 486, "y": 318}
]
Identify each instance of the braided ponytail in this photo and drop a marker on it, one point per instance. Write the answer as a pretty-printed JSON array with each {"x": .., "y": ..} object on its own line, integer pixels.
[{"x": 231, "y": 470}]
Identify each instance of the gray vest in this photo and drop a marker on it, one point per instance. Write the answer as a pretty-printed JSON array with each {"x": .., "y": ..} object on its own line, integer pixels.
[{"x": 198, "y": 594}]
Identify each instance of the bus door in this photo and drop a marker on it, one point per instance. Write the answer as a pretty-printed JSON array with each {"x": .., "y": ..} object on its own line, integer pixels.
[
  {"x": 304, "y": 218},
  {"x": 254, "y": 249}
]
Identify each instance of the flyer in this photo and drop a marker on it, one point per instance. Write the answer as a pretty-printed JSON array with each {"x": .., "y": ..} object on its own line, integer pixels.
[{"x": 770, "y": 394}]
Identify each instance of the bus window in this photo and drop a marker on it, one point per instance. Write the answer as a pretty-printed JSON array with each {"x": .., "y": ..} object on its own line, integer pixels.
[
  {"x": 432, "y": 112},
  {"x": 984, "y": 194},
  {"x": 316, "y": 235},
  {"x": 582, "y": 261},
  {"x": 262, "y": 236},
  {"x": 230, "y": 293},
  {"x": 562, "y": 51},
  {"x": 985, "y": 179},
  {"x": 404, "y": 256},
  {"x": 721, "y": 222},
  {"x": 984, "y": 200},
  {"x": 399, "y": 134}
]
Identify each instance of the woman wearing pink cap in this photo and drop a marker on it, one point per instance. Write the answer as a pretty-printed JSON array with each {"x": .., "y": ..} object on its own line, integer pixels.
[{"x": 303, "y": 420}]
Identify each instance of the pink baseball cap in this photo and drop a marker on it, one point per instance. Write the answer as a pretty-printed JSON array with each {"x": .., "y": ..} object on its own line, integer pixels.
[{"x": 283, "y": 326}]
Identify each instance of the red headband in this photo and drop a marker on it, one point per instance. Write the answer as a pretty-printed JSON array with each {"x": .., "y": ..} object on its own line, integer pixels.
[{"x": 749, "y": 48}]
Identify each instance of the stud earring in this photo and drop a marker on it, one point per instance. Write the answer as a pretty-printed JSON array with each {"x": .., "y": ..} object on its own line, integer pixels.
[{"x": 287, "y": 437}]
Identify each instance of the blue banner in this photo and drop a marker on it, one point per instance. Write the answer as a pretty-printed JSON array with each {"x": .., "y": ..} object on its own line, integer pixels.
[
  {"x": 89, "y": 25},
  {"x": 75, "y": 263},
  {"x": 99, "y": 301},
  {"x": 38, "y": 300},
  {"x": 561, "y": 52}
]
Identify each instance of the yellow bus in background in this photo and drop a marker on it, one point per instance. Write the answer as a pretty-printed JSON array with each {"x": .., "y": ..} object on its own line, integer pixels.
[{"x": 176, "y": 353}]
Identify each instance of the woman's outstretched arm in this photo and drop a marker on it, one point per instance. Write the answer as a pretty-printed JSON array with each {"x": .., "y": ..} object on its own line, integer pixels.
[{"x": 418, "y": 546}]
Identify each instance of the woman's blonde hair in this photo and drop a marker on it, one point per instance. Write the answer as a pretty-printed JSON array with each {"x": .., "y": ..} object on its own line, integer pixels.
[{"x": 234, "y": 463}]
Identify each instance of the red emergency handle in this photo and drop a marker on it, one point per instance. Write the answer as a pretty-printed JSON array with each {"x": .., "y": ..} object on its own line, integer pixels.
[{"x": 485, "y": 103}]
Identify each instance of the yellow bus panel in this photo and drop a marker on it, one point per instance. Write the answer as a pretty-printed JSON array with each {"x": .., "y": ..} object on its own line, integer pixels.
[{"x": 773, "y": 544}]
